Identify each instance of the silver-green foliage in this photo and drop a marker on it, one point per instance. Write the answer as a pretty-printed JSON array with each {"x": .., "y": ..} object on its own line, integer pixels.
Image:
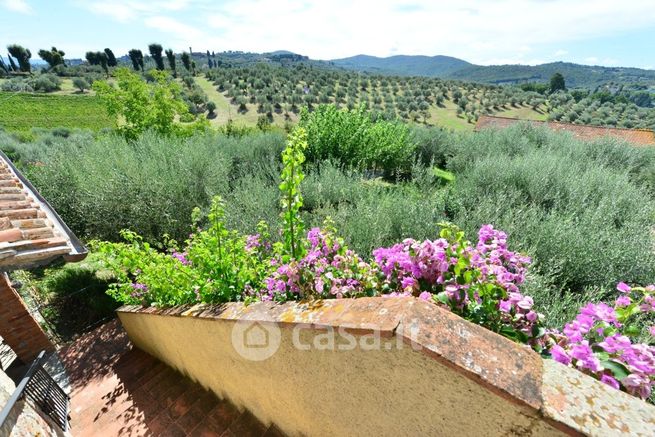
[{"x": 354, "y": 139}]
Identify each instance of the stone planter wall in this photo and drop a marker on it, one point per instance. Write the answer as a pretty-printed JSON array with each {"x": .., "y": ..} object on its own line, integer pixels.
[{"x": 379, "y": 366}]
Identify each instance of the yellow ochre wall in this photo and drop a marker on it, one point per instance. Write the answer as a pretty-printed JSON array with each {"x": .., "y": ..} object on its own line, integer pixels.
[{"x": 387, "y": 392}]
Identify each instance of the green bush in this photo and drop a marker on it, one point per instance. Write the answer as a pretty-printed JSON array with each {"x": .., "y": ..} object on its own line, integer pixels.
[
  {"x": 45, "y": 83},
  {"x": 355, "y": 140},
  {"x": 584, "y": 211},
  {"x": 150, "y": 185},
  {"x": 16, "y": 84}
]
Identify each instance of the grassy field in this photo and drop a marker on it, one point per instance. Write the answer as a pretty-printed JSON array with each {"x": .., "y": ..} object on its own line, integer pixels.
[
  {"x": 447, "y": 117},
  {"x": 225, "y": 111},
  {"x": 525, "y": 112},
  {"x": 21, "y": 111}
]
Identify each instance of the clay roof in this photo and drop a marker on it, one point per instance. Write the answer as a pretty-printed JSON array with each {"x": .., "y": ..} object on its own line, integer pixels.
[
  {"x": 642, "y": 137},
  {"x": 31, "y": 232}
]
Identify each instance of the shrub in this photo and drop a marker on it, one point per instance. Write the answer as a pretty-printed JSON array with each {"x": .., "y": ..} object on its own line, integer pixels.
[
  {"x": 584, "y": 215},
  {"x": 355, "y": 140},
  {"x": 81, "y": 84},
  {"x": 582, "y": 211},
  {"x": 140, "y": 105},
  {"x": 150, "y": 185},
  {"x": 45, "y": 83},
  {"x": 216, "y": 265},
  {"x": 17, "y": 85}
]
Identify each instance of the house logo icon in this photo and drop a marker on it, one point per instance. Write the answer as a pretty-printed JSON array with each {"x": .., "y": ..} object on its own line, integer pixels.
[{"x": 256, "y": 341}]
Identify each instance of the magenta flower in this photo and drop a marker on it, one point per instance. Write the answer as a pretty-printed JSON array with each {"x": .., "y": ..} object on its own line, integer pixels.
[
  {"x": 611, "y": 381},
  {"x": 139, "y": 290},
  {"x": 181, "y": 257},
  {"x": 585, "y": 357},
  {"x": 408, "y": 283},
  {"x": 252, "y": 242},
  {"x": 615, "y": 343},
  {"x": 622, "y": 301},
  {"x": 425, "y": 295},
  {"x": 623, "y": 287},
  {"x": 526, "y": 303},
  {"x": 505, "y": 306},
  {"x": 559, "y": 354},
  {"x": 600, "y": 311}
]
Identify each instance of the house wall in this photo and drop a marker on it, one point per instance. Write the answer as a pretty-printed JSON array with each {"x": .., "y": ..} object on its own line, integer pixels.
[
  {"x": 415, "y": 369},
  {"x": 17, "y": 326}
]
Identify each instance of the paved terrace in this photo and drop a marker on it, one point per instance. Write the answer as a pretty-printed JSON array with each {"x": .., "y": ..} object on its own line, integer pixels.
[{"x": 117, "y": 389}]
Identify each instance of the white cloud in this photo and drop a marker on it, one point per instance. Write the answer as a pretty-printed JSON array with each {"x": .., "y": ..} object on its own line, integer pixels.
[
  {"x": 594, "y": 60},
  {"x": 180, "y": 31},
  {"x": 17, "y": 6},
  {"x": 480, "y": 31},
  {"x": 129, "y": 10},
  {"x": 117, "y": 11}
]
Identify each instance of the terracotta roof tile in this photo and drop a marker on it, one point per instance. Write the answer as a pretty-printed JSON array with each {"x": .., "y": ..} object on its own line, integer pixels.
[
  {"x": 31, "y": 232},
  {"x": 641, "y": 137}
]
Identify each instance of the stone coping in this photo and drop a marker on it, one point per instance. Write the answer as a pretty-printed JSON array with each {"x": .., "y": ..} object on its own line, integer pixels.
[{"x": 566, "y": 398}]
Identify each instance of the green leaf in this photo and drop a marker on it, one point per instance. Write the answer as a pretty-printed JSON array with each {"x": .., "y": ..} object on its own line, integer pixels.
[
  {"x": 631, "y": 331},
  {"x": 538, "y": 331},
  {"x": 442, "y": 297},
  {"x": 618, "y": 370}
]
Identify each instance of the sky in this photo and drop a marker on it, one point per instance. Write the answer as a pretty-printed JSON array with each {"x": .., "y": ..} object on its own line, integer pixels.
[{"x": 594, "y": 32}]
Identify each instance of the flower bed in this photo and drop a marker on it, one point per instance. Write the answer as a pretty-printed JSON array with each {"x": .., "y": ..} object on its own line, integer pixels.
[{"x": 479, "y": 282}]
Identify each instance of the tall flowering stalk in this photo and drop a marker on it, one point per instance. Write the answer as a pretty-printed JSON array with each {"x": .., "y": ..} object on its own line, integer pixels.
[{"x": 291, "y": 202}]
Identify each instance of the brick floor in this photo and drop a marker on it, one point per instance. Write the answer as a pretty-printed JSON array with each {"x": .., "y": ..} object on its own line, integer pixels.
[{"x": 118, "y": 390}]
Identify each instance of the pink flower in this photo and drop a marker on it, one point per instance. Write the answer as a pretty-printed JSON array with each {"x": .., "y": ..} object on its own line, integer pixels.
[
  {"x": 408, "y": 283},
  {"x": 505, "y": 306},
  {"x": 585, "y": 357},
  {"x": 559, "y": 354},
  {"x": 622, "y": 301},
  {"x": 181, "y": 257},
  {"x": 651, "y": 330},
  {"x": 637, "y": 385},
  {"x": 615, "y": 343},
  {"x": 526, "y": 303},
  {"x": 623, "y": 287},
  {"x": 531, "y": 316},
  {"x": 426, "y": 295},
  {"x": 600, "y": 311},
  {"x": 609, "y": 380}
]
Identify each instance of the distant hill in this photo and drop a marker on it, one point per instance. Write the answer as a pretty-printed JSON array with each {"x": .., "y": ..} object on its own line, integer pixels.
[
  {"x": 447, "y": 67},
  {"x": 404, "y": 65},
  {"x": 576, "y": 75}
]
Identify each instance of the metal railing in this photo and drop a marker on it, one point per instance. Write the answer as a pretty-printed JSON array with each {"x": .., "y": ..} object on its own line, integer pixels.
[
  {"x": 75, "y": 316},
  {"x": 40, "y": 388},
  {"x": 7, "y": 355}
]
